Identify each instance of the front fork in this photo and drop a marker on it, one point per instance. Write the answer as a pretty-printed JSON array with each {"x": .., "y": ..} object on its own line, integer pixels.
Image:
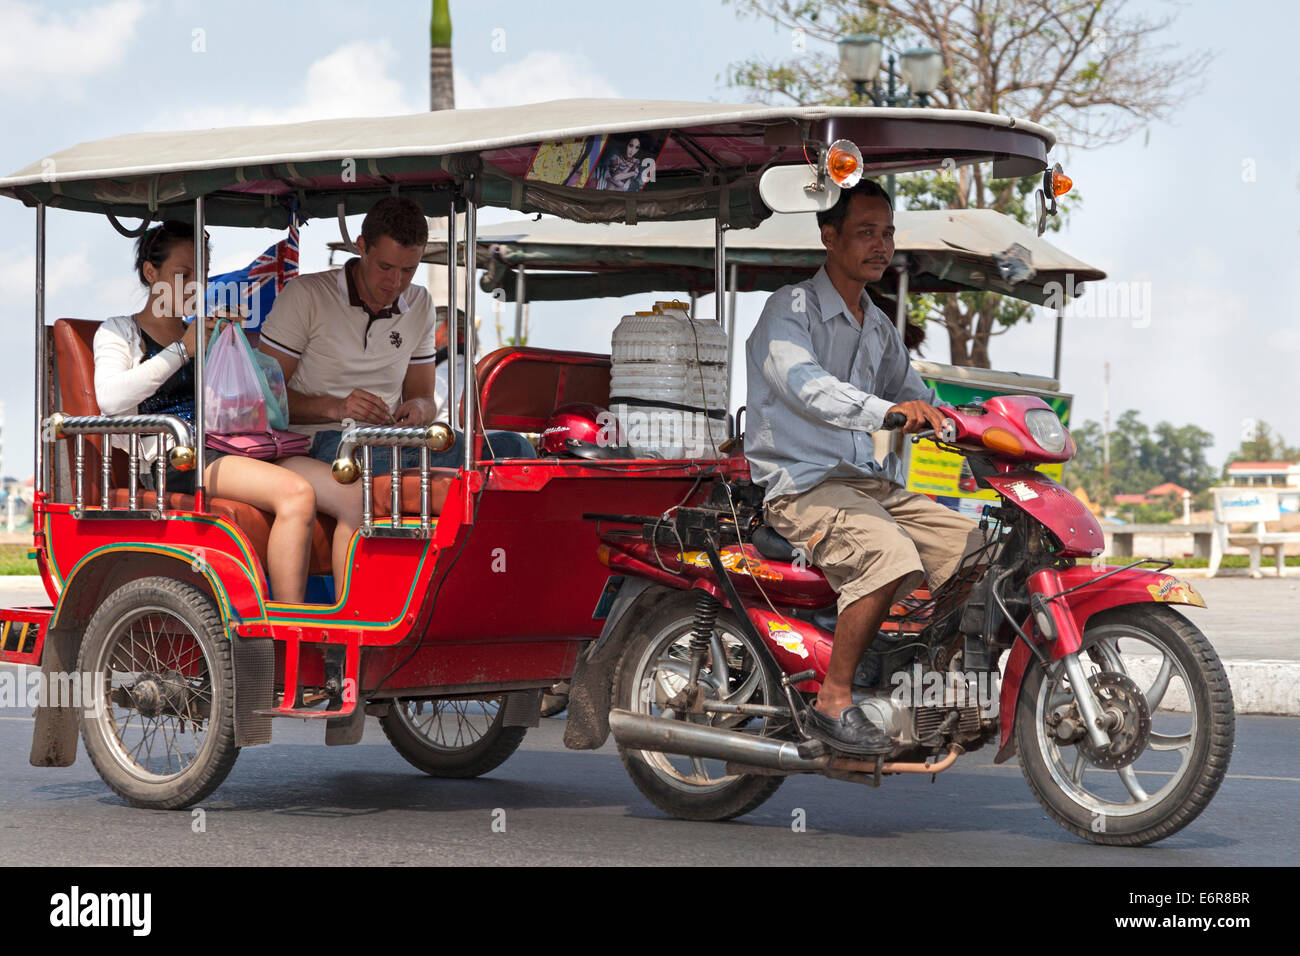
[{"x": 1057, "y": 626}]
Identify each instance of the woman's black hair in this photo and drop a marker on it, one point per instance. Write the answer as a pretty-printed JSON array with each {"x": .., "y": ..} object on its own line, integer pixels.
[
  {"x": 913, "y": 337},
  {"x": 155, "y": 245}
]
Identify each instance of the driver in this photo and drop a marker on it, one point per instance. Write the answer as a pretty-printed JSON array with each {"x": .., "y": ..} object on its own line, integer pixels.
[{"x": 825, "y": 366}]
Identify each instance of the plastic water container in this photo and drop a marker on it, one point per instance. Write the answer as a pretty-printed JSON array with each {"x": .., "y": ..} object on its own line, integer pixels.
[{"x": 667, "y": 371}]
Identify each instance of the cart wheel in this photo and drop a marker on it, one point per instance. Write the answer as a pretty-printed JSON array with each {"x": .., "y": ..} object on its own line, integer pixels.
[
  {"x": 163, "y": 736},
  {"x": 452, "y": 738}
]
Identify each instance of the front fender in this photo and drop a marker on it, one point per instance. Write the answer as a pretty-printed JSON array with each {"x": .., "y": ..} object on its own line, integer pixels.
[{"x": 1130, "y": 586}]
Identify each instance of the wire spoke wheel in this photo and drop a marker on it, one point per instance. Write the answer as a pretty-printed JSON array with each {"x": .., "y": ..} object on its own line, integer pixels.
[
  {"x": 447, "y": 737},
  {"x": 653, "y": 673},
  {"x": 160, "y": 726},
  {"x": 1167, "y": 710}
]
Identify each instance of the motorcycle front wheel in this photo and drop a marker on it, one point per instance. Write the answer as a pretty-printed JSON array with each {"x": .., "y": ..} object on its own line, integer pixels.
[
  {"x": 655, "y": 666},
  {"x": 1168, "y": 707}
]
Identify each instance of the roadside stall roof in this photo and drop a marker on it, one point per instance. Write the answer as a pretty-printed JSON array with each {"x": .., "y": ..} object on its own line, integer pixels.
[
  {"x": 949, "y": 250},
  {"x": 707, "y": 164}
]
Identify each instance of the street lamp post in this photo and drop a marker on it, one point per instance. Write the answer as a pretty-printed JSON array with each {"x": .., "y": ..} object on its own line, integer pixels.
[{"x": 919, "y": 68}]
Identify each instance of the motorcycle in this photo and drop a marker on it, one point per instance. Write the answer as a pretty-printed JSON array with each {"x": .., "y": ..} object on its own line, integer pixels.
[{"x": 1116, "y": 705}]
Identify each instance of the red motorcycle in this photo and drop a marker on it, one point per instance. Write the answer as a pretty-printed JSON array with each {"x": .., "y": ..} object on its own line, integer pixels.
[{"x": 720, "y": 633}]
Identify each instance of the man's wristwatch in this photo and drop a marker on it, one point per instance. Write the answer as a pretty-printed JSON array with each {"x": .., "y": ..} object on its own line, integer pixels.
[{"x": 180, "y": 348}]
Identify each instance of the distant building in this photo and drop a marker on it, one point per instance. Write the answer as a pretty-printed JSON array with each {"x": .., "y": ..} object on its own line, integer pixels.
[
  {"x": 1168, "y": 490},
  {"x": 1266, "y": 473},
  {"x": 1270, "y": 474}
]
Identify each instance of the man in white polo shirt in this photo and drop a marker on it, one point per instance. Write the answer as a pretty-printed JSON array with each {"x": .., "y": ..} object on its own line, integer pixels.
[{"x": 358, "y": 343}]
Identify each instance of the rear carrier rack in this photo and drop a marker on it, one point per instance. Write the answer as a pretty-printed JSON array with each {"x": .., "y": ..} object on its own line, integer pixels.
[{"x": 22, "y": 634}]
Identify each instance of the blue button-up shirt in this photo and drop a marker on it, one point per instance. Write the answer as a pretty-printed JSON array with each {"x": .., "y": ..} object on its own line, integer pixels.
[{"x": 818, "y": 386}]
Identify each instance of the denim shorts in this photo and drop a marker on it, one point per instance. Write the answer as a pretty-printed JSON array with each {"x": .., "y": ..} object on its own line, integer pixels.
[{"x": 501, "y": 445}]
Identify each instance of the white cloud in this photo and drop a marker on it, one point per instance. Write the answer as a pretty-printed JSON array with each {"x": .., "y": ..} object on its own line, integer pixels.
[
  {"x": 18, "y": 274},
  {"x": 540, "y": 76},
  {"x": 354, "y": 80},
  {"x": 37, "y": 45}
]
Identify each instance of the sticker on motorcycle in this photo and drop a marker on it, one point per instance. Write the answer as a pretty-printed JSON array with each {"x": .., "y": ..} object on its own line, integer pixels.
[
  {"x": 735, "y": 561},
  {"x": 1022, "y": 491},
  {"x": 1175, "y": 591},
  {"x": 786, "y": 637}
]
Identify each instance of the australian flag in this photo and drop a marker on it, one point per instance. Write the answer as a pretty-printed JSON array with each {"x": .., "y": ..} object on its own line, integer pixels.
[{"x": 253, "y": 289}]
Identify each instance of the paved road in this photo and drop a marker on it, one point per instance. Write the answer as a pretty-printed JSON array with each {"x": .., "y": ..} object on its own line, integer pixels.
[{"x": 299, "y": 802}]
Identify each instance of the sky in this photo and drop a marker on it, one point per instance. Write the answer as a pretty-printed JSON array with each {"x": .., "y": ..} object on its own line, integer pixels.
[{"x": 1196, "y": 221}]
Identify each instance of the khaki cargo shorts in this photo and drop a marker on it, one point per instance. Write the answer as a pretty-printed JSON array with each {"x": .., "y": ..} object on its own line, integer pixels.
[{"x": 863, "y": 533}]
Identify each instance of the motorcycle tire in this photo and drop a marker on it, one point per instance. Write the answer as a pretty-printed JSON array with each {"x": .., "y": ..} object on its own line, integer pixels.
[
  {"x": 1095, "y": 808},
  {"x": 658, "y": 643}
]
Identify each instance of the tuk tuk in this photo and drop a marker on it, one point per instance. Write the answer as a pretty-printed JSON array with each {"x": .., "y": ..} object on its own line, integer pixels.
[{"x": 622, "y": 574}]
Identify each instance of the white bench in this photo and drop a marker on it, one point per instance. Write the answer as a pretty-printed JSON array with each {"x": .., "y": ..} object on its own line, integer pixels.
[{"x": 1256, "y": 507}]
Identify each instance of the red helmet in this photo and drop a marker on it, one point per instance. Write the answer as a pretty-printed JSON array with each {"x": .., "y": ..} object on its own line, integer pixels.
[{"x": 583, "y": 430}]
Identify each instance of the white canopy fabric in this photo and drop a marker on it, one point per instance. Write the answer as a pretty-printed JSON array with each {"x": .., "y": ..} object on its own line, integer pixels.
[
  {"x": 711, "y": 156},
  {"x": 945, "y": 250}
]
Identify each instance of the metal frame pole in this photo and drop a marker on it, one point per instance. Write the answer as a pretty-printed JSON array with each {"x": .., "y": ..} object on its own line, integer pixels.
[
  {"x": 453, "y": 336},
  {"x": 900, "y": 315},
  {"x": 200, "y": 350},
  {"x": 520, "y": 292},
  {"x": 1056, "y": 358},
  {"x": 731, "y": 331},
  {"x": 41, "y": 388},
  {"x": 471, "y": 391}
]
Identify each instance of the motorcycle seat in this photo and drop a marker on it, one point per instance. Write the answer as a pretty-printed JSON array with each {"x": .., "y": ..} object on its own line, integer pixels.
[{"x": 773, "y": 546}]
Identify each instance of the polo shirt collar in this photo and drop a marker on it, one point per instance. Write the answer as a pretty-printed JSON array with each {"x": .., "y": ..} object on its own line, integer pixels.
[{"x": 348, "y": 293}]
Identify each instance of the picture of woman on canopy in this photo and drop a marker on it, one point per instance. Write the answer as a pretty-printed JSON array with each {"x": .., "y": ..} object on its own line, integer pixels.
[{"x": 627, "y": 163}]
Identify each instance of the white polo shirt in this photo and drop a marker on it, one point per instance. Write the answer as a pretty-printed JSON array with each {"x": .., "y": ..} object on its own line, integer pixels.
[{"x": 340, "y": 346}]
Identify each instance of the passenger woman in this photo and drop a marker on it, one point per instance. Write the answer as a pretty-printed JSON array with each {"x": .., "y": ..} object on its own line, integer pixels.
[{"x": 144, "y": 364}]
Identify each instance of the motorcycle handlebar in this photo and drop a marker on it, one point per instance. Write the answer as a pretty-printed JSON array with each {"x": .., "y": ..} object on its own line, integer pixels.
[{"x": 894, "y": 420}]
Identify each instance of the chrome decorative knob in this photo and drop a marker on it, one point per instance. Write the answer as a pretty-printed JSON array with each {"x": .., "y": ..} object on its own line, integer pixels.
[
  {"x": 345, "y": 470},
  {"x": 182, "y": 458},
  {"x": 441, "y": 437}
]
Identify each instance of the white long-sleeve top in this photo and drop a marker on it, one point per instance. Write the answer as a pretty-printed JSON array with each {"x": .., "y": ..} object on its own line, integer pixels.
[{"x": 123, "y": 379}]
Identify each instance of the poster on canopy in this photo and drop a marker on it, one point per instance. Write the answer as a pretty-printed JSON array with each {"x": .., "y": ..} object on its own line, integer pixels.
[{"x": 945, "y": 476}]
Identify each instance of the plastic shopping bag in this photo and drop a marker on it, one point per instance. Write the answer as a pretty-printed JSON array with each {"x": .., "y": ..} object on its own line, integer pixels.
[
  {"x": 233, "y": 398},
  {"x": 270, "y": 377}
]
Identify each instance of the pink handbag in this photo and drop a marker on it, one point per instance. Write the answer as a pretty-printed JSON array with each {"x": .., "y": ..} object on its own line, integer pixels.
[{"x": 267, "y": 445}]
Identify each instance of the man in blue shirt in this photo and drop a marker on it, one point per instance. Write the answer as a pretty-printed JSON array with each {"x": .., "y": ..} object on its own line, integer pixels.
[{"x": 825, "y": 366}]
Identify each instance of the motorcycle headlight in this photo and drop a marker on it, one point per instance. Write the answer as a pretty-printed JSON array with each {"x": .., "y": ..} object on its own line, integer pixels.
[{"x": 1046, "y": 429}]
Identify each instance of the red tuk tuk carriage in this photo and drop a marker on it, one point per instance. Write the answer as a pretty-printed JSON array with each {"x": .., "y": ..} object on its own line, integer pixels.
[{"x": 468, "y": 592}]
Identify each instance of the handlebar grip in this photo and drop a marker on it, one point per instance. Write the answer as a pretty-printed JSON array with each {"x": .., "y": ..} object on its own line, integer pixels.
[{"x": 894, "y": 420}]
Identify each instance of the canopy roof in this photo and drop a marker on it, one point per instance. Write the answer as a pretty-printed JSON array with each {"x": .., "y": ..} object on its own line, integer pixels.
[
  {"x": 947, "y": 250},
  {"x": 712, "y": 155}
]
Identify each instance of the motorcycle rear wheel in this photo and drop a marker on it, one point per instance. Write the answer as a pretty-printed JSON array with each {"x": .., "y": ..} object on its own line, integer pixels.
[
  {"x": 1182, "y": 756},
  {"x": 654, "y": 665}
]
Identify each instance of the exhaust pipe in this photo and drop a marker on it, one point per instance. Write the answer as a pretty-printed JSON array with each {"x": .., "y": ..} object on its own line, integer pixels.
[{"x": 643, "y": 732}]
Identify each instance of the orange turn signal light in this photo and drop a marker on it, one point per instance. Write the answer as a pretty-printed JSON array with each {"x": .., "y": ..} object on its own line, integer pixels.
[
  {"x": 602, "y": 554},
  {"x": 999, "y": 439},
  {"x": 1061, "y": 183},
  {"x": 844, "y": 163}
]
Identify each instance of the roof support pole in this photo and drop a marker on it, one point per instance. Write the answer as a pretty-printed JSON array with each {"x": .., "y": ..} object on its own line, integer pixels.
[
  {"x": 200, "y": 352},
  {"x": 1056, "y": 355},
  {"x": 731, "y": 334},
  {"x": 471, "y": 387},
  {"x": 40, "y": 481},
  {"x": 520, "y": 292},
  {"x": 900, "y": 316},
  {"x": 453, "y": 331}
]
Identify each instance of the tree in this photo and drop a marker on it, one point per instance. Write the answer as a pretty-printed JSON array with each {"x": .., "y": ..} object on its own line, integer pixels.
[
  {"x": 1089, "y": 69},
  {"x": 1261, "y": 443},
  {"x": 1141, "y": 458}
]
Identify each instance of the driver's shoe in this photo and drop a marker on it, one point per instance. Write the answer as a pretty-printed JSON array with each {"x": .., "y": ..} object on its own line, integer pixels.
[{"x": 851, "y": 733}]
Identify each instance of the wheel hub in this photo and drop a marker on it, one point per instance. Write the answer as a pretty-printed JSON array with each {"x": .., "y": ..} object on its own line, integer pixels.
[
  {"x": 1127, "y": 720},
  {"x": 157, "y": 694}
]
